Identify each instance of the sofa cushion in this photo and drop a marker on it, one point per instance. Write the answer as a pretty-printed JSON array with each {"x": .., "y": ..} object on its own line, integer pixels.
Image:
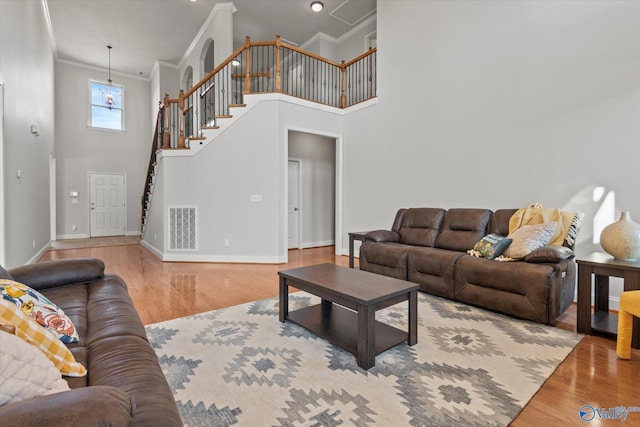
[
  {"x": 499, "y": 223},
  {"x": 515, "y": 288},
  {"x": 433, "y": 269},
  {"x": 389, "y": 259},
  {"x": 420, "y": 226},
  {"x": 528, "y": 238},
  {"x": 462, "y": 228},
  {"x": 40, "y": 308}
]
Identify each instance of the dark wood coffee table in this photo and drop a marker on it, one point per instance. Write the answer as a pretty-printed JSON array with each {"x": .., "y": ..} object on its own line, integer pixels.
[{"x": 353, "y": 328}]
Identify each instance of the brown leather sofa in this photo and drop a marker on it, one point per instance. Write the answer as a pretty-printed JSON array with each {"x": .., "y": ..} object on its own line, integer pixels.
[
  {"x": 429, "y": 246},
  {"x": 124, "y": 385}
]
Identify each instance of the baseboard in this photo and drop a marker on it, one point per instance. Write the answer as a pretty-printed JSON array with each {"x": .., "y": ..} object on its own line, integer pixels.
[
  {"x": 72, "y": 236},
  {"x": 231, "y": 259},
  {"x": 157, "y": 252},
  {"x": 307, "y": 245},
  {"x": 39, "y": 254},
  {"x": 133, "y": 233},
  {"x": 194, "y": 257}
]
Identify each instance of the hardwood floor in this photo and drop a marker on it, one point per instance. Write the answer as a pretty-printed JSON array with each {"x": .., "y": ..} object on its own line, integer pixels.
[{"x": 591, "y": 375}]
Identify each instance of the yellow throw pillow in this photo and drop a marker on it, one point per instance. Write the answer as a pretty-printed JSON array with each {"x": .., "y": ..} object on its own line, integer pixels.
[{"x": 35, "y": 334}]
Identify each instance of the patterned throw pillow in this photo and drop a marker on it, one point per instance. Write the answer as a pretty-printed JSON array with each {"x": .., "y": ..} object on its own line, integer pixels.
[
  {"x": 33, "y": 333},
  {"x": 492, "y": 245},
  {"x": 40, "y": 308},
  {"x": 528, "y": 238}
]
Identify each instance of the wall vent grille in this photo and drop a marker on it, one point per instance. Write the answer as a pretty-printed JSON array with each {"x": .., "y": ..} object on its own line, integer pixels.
[{"x": 182, "y": 228}]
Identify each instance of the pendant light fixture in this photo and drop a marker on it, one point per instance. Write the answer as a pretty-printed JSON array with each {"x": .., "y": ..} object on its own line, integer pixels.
[{"x": 109, "y": 96}]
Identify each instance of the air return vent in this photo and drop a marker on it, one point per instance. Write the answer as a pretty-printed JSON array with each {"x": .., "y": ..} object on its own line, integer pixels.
[{"x": 182, "y": 228}]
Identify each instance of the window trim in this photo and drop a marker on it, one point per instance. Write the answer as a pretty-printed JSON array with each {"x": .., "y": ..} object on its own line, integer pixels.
[{"x": 90, "y": 106}]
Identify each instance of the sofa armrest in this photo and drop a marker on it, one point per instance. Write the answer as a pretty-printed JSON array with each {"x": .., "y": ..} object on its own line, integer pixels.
[
  {"x": 50, "y": 274},
  {"x": 383, "y": 236},
  {"x": 86, "y": 407},
  {"x": 549, "y": 254}
]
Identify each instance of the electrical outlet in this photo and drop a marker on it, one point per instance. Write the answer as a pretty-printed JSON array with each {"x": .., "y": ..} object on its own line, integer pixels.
[
  {"x": 226, "y": 242},
  {"x": 74, "y": 227}
]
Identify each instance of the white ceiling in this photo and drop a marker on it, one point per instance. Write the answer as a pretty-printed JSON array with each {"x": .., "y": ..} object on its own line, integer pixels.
[{"x": 143, "y": 31}]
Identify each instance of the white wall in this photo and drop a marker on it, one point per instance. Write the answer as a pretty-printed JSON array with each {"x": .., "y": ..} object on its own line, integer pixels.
[
  {"x": 81, "y": 149},
  {"x": 317, "y": 156},
  {"x": 27, "y": 71},
  {"x": 497, "y": 104},
  {"x": 247, "y": 158},
  {"x": 164, "y": 79},
  {"x": 219, "y": 28}
]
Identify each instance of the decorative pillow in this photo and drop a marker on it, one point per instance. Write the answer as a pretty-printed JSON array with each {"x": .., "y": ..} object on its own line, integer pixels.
[
  {"x": 26, "y": 372},
  {"x": 40, "y": 308},
  {"x": 35, "y": 334},
  {"x": 572, "y": 232},
  {"x": 568, "y": 223},
  {"x": 492, "y": 245},
  {"x": 529, "y": 238}
]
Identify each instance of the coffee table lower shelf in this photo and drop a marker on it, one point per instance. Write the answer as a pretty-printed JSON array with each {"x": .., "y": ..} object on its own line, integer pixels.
[{"x": 339, "y": 326}]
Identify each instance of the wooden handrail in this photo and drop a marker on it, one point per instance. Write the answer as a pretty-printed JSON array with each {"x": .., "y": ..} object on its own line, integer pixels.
[
  {"x": 214, "y": 71},
  {"x": 364, "y": 55}
]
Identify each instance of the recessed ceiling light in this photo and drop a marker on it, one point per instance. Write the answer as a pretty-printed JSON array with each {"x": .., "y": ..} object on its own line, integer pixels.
[{"x": 317, "y": 6}]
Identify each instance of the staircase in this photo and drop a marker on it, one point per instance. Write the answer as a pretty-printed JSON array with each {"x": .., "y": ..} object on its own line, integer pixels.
[{"x": 256, "y": 67}]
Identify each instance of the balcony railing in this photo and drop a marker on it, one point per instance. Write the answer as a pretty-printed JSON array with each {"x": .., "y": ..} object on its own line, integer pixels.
[{"x": 266, "y": 67}]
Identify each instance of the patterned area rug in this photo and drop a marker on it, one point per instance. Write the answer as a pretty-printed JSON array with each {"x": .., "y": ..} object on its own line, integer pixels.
[{"x": 241, "y": 366}]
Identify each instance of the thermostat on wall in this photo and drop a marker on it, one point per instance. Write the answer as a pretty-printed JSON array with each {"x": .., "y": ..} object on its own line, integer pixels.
[{"x": 73, "y": 194}]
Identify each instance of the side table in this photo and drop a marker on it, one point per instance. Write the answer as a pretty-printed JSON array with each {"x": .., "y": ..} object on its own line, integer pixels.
[
  {"x": 355, "y": 235},
  {"x": 603, "y": 266}
]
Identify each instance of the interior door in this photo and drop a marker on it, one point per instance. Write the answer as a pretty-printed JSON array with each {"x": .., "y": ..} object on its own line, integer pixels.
[
  {"x": 293, "y": 207},
  {"x": 107, "y": 204}
]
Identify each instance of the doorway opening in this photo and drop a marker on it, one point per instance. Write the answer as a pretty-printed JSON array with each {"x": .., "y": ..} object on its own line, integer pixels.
[{"x": 312, "y": 190}]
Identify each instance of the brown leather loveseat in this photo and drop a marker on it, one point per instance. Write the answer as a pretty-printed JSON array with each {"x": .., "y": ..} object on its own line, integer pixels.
[
  {"x": 124, "y": 385},
  {"x": 429, "y": 246}
]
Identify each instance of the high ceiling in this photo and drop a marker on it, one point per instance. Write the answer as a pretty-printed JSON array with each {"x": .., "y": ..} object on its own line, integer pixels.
[{"x": 143, "y": 31}]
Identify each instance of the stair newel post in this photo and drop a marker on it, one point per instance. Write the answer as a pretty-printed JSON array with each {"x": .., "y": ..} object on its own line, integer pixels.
[
  {"x": 278, "y": 86},
  {"x": 247, "y": 74},
  {"x": 343, "y": 86},
  {"x": 181, "y": 140},
  {"x": 166, "y": 143}
]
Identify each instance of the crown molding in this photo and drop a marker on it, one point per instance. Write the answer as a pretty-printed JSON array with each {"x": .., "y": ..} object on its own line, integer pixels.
[{"x": 100, "y": 69}]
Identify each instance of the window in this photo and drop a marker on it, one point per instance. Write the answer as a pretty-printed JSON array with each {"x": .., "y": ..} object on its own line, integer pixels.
[{"x": 107, "y": 106}]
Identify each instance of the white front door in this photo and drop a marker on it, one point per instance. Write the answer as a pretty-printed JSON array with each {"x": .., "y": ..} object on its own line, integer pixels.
[
  {"x": 107, "y": 204},
  {"x": 293, "y": 207}
]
